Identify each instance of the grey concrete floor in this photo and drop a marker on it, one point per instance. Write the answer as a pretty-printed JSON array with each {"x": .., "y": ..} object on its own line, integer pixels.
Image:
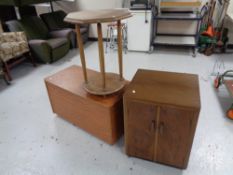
[{"x": 34, "y": 141}]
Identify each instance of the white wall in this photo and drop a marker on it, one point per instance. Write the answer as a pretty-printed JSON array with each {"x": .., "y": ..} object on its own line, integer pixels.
[
  {"x": 230, "y": 9},
  {"x": 98, "y": 4},
  {"x": 103, "y": 4}
]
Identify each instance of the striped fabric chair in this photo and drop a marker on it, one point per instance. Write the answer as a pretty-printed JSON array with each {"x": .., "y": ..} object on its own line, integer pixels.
[{"x": 13, "y": 50}]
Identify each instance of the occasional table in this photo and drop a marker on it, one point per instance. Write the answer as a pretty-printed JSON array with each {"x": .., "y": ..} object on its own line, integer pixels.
[{"x": 102, "y": 83}]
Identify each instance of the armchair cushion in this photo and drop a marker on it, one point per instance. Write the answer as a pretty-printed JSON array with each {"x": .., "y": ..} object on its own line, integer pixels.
[
  {"x": 55, "y": 20},
  {"x": 68, "y": 33},
  {"x": 12, "y": 44},
  {"x": 49, "y": 50},
  {"x": 35, "y": 28},
  {"x": 61, "y": 33},
  {"x": 56, "y": 42}
]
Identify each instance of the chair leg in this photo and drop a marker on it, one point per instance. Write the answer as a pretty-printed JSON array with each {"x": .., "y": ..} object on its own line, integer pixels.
[
  {"x": 5, "y": 77},
  {"x": 30, "y": 57},
  {"x": 7, "y": 71}
]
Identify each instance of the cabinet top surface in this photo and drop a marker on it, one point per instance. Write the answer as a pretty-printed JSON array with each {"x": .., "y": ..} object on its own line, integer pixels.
[
  {"x": 97, "y": 16},
  {"x": 165, "y": 88},
  {"x": 71, "y": 80}
]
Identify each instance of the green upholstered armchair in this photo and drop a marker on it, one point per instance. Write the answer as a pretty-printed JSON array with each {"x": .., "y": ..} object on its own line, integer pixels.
[
  {"x": 55, "y": 21},
  {"x": 45, "y": 46}
]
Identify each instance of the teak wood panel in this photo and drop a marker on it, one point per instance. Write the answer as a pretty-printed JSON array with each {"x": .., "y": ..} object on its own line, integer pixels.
[
  {"x": 175, "y": 131},
  {"x": 140, "y": 130},
  {"x": 180, "y": 4},
  {"x": 71, "y": 80},
  {"x": 163, "y": 134},
  {"x": 176, "y": 99},
  {"x": 169, "y": 88},
  {"x": 100, "y": 116}
]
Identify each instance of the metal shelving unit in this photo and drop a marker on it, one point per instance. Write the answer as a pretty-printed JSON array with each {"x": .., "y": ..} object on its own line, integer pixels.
[{"x": 177, "y": 39}]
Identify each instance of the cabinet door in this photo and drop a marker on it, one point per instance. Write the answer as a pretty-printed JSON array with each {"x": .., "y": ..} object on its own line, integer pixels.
[
  {"x": 175, "y": 133},
  {"x": 140, "y": 130}
]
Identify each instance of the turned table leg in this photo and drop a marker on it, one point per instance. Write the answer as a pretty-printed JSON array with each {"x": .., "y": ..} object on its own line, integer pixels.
[
  {"x": 119, "y": 38},
  {"x": 81, "y": 50},
  {"x": 101, "y": 54}
]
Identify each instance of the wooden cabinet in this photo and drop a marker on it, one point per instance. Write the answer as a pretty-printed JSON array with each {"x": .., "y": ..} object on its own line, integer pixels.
[
  {"x": 160, "y": 116},
  {"x": 100, "y": 116}
]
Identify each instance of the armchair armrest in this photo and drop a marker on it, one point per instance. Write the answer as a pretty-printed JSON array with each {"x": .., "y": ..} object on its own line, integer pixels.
[
  {"x": 41, "y": 49},
  {"x": 65, "y": 33},
  {"x": 37, "y": 42},
  {"x": 61, "y": 33}
]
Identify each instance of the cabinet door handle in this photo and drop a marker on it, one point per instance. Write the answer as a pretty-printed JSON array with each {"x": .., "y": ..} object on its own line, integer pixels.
[
  {"x": 161, "y": 128},
  {"x": 153, "y": 125}
]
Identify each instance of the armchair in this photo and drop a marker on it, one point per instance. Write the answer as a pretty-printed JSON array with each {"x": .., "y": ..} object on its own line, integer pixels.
[
  {"x": 13, "y": 50},
  {"x": 55, "y": 21},
  {"x": 47, "y": 47}
]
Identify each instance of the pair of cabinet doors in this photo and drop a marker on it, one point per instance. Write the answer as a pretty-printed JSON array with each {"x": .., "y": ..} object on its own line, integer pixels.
[{"x": 162, "y": 134}]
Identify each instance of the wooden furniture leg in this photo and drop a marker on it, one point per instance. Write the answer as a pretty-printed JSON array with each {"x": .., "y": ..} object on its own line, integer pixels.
[
  {"x": 29, "y": 56},
  {"x": 81, "y": 50},
  {"x": 119, "y": 38},
  {"x": 5, "y": 77},
  {"x": 7, "y": 70},
  {"x": 101, "y": 54}
]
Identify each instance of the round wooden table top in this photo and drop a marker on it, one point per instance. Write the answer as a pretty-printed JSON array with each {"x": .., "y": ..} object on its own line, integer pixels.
[{"x": 97, "y": 16}]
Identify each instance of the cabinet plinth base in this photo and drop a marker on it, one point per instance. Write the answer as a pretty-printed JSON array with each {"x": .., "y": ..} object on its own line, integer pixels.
[{"x": 101, "y": 116}]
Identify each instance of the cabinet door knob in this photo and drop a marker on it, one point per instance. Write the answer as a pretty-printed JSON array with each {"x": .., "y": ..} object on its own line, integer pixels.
[
  {"x": 161, "y": 128},
  {"x": 153, "y": 125}
]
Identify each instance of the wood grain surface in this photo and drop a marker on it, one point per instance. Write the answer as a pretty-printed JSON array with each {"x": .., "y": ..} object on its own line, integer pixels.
[
  {"x": 119, "y": 41},
  {"x": 159, "y": 121},
  {"x": 180, "y": 4},
  {"x": 97, "y": 16},
  {"x": 141, "y": 134},
  {"x": 101, "y": 54},
  {"x": 98, "y": 115},
  {"x": 175, "y": 131},
  {"x": 165, "y": 88}
]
